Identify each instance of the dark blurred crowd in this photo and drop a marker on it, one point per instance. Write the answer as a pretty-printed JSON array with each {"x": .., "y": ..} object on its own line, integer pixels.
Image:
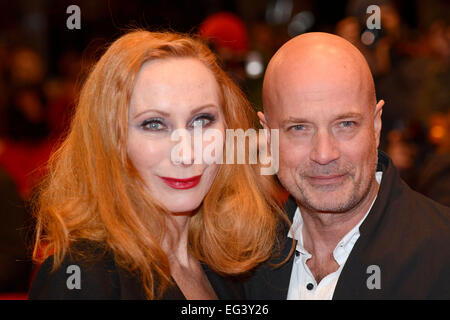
[{"x": 409, "y": 58}]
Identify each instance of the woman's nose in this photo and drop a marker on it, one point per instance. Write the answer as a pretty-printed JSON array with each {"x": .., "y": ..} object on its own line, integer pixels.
[{"x": 186, "y": 149}]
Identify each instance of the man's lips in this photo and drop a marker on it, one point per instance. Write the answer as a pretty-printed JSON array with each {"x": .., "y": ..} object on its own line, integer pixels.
[
  {"x": 326, "y": 179},
  {"x": 182, "y": 183}
]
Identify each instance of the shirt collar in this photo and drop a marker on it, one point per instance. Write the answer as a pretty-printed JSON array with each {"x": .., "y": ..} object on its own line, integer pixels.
[{"x": 345, "y": 246}]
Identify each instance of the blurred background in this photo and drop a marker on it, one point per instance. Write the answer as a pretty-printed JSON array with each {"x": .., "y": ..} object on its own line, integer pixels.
[{"x": 43, "y": 64}]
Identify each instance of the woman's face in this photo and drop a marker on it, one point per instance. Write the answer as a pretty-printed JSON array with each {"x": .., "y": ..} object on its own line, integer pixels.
[{"x": 172, "y": 94}]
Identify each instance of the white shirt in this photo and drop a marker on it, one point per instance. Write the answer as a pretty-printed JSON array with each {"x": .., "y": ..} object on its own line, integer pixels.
[{"x": 302, "y": 278}]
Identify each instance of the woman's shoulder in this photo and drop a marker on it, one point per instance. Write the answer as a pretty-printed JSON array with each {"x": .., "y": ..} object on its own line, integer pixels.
[{"x": 88, "y": 271}]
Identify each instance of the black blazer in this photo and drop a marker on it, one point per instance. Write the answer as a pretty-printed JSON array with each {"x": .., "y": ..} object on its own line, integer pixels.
[
  {"x": 405, "y": 234},
  {"x": 102, "y": 279}
]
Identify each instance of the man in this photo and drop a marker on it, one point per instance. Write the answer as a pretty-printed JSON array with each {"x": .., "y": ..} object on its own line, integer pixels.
[{"x": 359, "y": 231}]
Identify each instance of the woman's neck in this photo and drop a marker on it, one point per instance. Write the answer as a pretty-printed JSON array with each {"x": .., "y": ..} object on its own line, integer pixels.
[
  {"x": 175, "y": 241},
  {"x": 185, "y": 269}
]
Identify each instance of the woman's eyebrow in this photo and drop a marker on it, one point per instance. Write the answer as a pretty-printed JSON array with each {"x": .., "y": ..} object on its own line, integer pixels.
[
  {"x": 205, "y": 106},
  {"x": 166, "y": 114}
]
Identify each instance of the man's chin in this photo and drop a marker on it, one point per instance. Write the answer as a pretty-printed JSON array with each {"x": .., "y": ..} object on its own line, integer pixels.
[
  {"x": 329, "y": 202},
  {"x": 327, "y": 208}
]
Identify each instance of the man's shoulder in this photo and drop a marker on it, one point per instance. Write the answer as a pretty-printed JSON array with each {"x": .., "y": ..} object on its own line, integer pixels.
[
  {"x": 402, "y": 213},
  {"x": 433, "y": 219},
  {"x": 406, "y": 238},
  {"x": 410, "y": 226},
  {"x": 432, "y": 216}
]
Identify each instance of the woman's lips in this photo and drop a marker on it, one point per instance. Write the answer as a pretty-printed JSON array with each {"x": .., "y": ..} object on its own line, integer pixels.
[
  {"x": 326, "y": 180},
  {"x": 182, "y": 183}
]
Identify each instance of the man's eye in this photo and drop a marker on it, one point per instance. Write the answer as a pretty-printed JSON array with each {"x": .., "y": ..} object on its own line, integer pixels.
[
  {"x": 152, "y": 125},
  {"x": 297, "y": 127},
  {"x": 347, "y": 124}
]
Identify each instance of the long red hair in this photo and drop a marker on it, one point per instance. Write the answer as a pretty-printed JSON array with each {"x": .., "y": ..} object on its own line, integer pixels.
[{"x": 94, "y": 192}]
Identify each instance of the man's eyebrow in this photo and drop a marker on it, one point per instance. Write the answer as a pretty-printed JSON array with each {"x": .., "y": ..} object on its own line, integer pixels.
[
  {"x": 349, "y": 115},
  {"x": 166, "y": 114},
  {"x": 339, "y": 117},
  {"x": 293, "y": 120}
]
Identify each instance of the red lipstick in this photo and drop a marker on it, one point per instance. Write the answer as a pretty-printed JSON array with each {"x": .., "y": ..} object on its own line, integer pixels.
[{"x": 182, "y": 183}]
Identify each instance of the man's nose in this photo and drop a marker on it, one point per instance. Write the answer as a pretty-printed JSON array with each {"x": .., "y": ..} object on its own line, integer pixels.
[{"x": 324, "y": 148}]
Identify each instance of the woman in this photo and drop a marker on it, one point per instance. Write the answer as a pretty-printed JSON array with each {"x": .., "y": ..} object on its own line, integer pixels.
[{"x": 118, "y": 216}]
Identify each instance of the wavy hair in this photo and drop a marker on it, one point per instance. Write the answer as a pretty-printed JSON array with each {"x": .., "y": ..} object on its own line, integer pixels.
[{"x": 94, "y": 192}]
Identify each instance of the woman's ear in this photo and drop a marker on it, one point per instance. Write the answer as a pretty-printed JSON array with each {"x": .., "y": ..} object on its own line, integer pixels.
[{"x": 262, "y": 120}]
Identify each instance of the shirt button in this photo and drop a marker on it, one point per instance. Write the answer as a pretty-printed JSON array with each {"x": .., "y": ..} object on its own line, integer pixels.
[{"x": 309, "y": 286}]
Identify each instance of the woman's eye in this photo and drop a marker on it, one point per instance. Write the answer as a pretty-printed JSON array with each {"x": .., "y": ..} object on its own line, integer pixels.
[
  {"x": 202, "y": 120},
  {"x": 152, "y": 125}
]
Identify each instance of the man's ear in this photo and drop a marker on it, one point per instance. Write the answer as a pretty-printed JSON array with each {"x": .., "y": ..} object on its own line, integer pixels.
[
  {"x": 263, "y": 122},
  {"x": 377, "y": 120}
]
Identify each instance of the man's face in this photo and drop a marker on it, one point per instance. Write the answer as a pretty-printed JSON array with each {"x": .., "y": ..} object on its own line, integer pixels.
[{"x": 328, "y": 144}]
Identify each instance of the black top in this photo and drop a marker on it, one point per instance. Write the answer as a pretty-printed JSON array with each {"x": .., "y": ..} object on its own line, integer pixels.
[
  {"x": 405, "y": 234},
  {"x": 101, "y": 278},
  {"x": 15, "y": 266}
]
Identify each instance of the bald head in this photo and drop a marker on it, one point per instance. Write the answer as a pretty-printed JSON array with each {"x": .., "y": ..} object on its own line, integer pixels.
[
  {"x": 319, "y": 95},
  {"x": 317, "y": 66}
]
